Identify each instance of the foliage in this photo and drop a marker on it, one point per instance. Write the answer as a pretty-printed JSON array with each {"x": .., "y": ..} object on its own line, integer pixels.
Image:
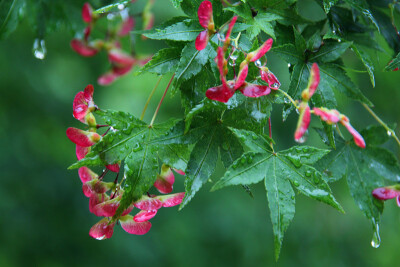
[{"x": 203, "y": 50}]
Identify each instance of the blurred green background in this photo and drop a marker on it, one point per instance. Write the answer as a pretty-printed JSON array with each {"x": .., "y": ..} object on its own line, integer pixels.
[{"x": 44, "y": 215}]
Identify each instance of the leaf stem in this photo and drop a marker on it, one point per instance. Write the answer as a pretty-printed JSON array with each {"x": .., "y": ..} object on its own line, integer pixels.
[
  {"x": 159, "y": 104},
  {"x": 390, "y": 131},
  {"x": 270, "y": 127},
  {"x": 289, "y": 97},
  {"x": 149, "y": 98}
]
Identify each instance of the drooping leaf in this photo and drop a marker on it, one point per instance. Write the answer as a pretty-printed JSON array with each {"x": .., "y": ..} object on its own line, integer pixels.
[
  {"x": 280, "y": 171},
  {"x": 201, "y": 165},
  {"x": 281, "y": 202},
  {"x": 366, "y": 60}
]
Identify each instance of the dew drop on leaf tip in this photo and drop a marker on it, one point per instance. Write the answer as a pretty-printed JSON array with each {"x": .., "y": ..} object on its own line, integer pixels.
[
  {"x": 376, "y": 239},
  {"x": 39, "y": 48}
]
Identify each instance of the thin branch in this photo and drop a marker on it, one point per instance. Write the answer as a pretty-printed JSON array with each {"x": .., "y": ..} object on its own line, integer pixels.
[
  {"x": 159, "y": 104},
  {"x": 390, "y": 131},
  {"x": 149, "y": 98}
]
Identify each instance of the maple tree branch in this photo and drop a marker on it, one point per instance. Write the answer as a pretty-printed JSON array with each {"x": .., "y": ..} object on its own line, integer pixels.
[
  {"x": 159, "y": 104},
  {"x": 149, "y": 98}
]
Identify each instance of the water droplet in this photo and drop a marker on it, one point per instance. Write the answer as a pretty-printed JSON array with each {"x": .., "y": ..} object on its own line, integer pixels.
[
  {"x": 110, "y": 16},
  {"x": 234, "y": 166},
  {"x": 286, "y": 100},
  {"x": 295, "y": 160},
  {"x": 376, "y": 239},
  {"x": 308, "y": 173},
  {"x": 121, "y": 6},
  {"x": 234, "y": 56},
  {"x": 295, "y": 183},
  {"x": 292, "y": 197},
  {"x": 127, "y": 130},
  {"x": 301, "y": 140},
  {"x": 389, "y": 133},
  {"x": 334, "y": 31},
  {"x": 339, "y": 40},
  {"x": 39, "y": 49},
  {"x": 137, "y": 147},
  {"x": 250, "y": 159},
  {"x": 232, "y": 63},
  {"x": 289, "y": 65},
  {"x": 275, "y": 85},
  {"x": 258, "y": 63},
  {"x": 255, "y": 137},
  {"x": 243, "y": 160},
  {"x": 101, "y": 237}
]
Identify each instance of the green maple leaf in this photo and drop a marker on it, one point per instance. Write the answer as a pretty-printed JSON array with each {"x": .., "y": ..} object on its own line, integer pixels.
[
  {"x": 281, "y": 171},
  {"x": 129, "y": 141},
  {"x": 186, "y": 30},
  {"x": 164, "y": 61},
  {"x": 364, "y": 170}
]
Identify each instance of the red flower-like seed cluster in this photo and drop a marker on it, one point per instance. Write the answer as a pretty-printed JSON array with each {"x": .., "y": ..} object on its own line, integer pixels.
[
  {"x": 121, "y": 62},
  {"x": 105, "y": 197},
  {"x": 388, "y": 192},
  {"x": 330, "y": 116},
  {"x": 224, "y": 92}
]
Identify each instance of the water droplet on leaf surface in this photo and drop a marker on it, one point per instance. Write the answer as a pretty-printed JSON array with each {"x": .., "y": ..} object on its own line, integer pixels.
[
  {"x": 389, "y": 133},
  {"x": 137, "y": 147},
  {"x": 39, "y": 49},
  {"x": 295, "y": 160}
]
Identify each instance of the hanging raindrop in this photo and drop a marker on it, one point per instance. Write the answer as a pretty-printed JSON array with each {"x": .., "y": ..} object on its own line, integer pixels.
[
  {"x": 376, "y": 239},
  {"x": 289, "y": 65},
  {"x": 258, "y": 63},
  {"x": 39, "y": 48},
  {"x": 389, "y": 133}
]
